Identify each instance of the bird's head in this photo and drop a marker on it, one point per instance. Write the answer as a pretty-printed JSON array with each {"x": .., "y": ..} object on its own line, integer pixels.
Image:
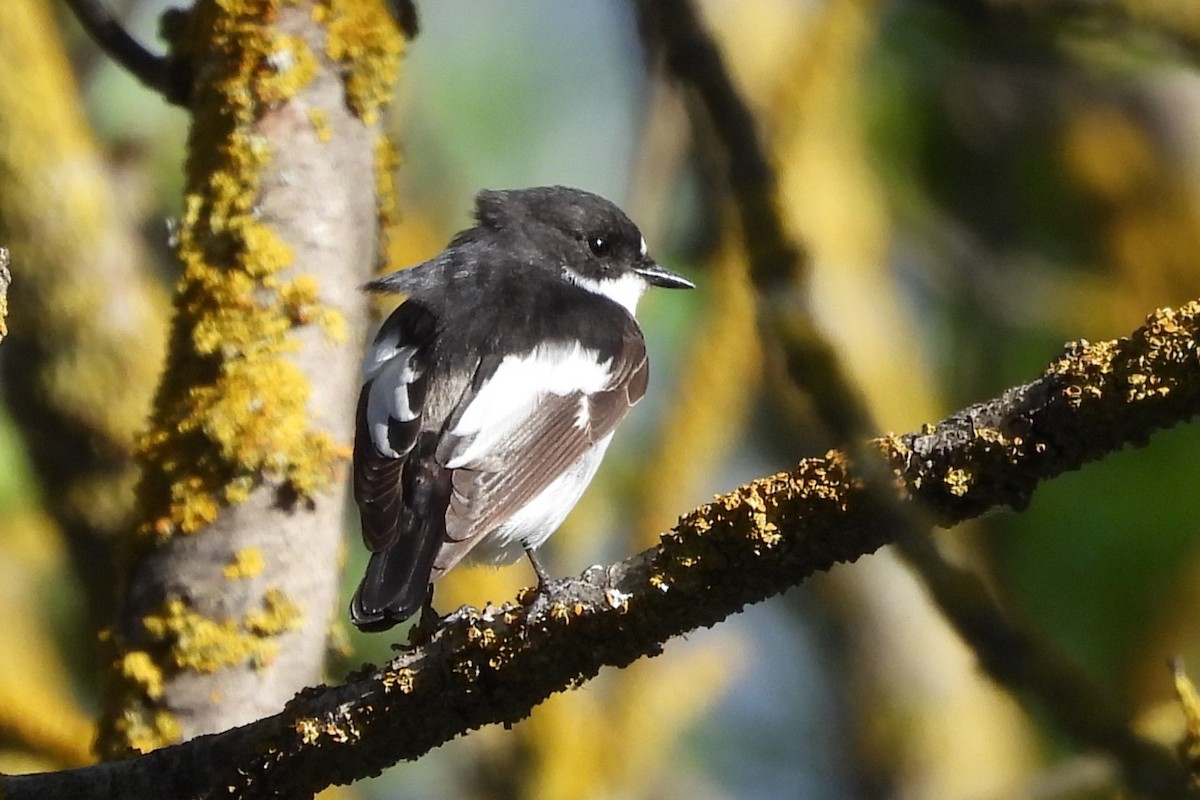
[
  {"x": 582, "y": 237},
  {"x": 594, "y": 244}
]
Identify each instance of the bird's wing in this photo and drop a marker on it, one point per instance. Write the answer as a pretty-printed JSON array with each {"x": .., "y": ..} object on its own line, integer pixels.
[
  {"x": 401, "y": 489},
  {"x": 389, "y": 420},
  {"x": 528, "y": 418}
]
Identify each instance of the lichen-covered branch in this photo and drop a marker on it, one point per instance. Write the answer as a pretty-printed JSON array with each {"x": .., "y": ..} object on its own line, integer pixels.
[
  {"x": 489, "y": 666},
  {"x": 232, "y": 570}
]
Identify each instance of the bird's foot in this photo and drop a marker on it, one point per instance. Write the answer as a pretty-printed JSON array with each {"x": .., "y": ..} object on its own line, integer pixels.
[
  {"x": 529, "y": 596},
  {"x": 427, "y": 624}
]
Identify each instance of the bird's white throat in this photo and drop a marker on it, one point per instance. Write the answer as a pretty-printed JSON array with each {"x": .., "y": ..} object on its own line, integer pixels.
[{"x": 625, "y": 290}]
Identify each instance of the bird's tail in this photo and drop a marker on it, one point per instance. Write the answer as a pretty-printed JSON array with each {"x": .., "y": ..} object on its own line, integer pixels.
[
  {"x": 397, "y": 581},
  {"x": 389, "y": 593}
]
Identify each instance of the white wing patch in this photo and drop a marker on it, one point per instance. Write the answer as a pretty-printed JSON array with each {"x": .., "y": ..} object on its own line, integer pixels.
[
  {"x": 388, "y": 397},
  {"x": 381, "y": 351},
  {"x": 506, "y": 401}
]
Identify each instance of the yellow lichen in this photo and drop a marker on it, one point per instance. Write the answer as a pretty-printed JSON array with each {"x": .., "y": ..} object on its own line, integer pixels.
[
  {"x": 198, "y": 642},
  {"x": 145, "y": 730},
  {"x": 363, "y": 38},
  {"x": 341, "y": 728},
  {"x": 246, "y": 563},
  {"x": 958, "y": 481},
  {"x": 291, "y": 66},
  {"x": 990, "y": 436},
  {"x": 308, "y": 729},
  {"x": 300, "y": 300},
  {"x": 403, "y": 680},
  {"x": 278, "y": 615},
  {"x": 138, "y": 667},
  {"x": 319, "y": 118}
]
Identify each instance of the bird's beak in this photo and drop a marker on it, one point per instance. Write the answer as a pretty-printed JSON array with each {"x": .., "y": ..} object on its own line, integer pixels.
[{"x": 657, "y": 276}]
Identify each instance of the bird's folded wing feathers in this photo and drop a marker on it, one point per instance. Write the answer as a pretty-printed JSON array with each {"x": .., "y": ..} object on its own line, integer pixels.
[
  {"x": 531, "y": 417},
  {"x": 388, "y": 422}
]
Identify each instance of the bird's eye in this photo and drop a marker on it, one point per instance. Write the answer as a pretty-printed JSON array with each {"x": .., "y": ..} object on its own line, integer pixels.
[{"x": 599, "y": 245}]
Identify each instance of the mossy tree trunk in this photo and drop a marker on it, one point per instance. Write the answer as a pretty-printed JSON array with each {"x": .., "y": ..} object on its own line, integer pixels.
[{"x": 232, "y": 571}]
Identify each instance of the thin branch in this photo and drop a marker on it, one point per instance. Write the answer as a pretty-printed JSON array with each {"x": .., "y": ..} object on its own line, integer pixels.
[
  {"x": 170, "y": 78},
  {"x": 748, "y": 545}
]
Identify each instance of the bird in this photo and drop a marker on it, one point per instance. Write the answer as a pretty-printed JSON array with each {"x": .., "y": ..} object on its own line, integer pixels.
[{"x": 491, "y": 393}]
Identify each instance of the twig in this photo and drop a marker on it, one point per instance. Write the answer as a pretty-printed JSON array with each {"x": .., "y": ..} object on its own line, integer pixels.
[{"x": 168, "y": 77}]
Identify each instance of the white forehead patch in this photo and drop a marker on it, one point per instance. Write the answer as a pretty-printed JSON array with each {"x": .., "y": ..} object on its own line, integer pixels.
[{"x": 642, "y": 248}]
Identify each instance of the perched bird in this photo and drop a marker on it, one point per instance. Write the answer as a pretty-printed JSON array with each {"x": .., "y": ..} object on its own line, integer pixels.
[{"x": 490, "y": 395}]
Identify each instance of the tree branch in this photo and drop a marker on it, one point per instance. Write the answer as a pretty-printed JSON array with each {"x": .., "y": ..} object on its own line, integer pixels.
[
  {"x": 750, "y": 544},
  {"x": 169, "y": 77}
]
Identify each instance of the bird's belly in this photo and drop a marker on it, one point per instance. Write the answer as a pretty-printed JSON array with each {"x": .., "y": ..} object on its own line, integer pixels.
[{"x": 532, "y": 525}]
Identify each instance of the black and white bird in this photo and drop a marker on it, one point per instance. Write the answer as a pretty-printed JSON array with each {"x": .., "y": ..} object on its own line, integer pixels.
[{"x": 490, "y": 395}]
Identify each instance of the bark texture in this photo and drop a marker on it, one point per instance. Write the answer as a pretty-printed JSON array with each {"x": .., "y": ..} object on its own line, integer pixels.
[{"x": 232, "y": 571}]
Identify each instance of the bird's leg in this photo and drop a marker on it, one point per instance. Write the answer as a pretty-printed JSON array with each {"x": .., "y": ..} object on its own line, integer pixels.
[
  {"x": 542, "y": 576},
  {"x": 427, "y": 623},
  {"x": 429, "y": 618}
]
